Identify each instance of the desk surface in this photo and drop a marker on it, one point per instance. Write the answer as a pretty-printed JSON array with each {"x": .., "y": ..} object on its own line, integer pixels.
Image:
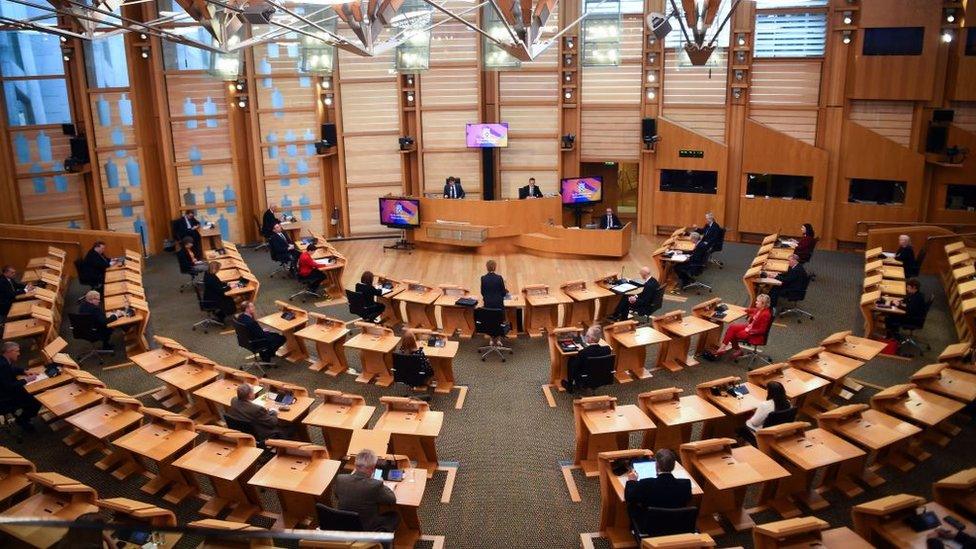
[
  {"x": 588, "y": 293},
  {"x": 925, "y": 407},
  {"x": 188, "y": 377},
  {"x": 104, "y": 420},
  {"x": 875, "y": 429},
  {"x": 68, "y": 398},
  {"x": 300, "y": 474},
  {"x": 323, "y": 333},
  {"x": 900, "y": 534},
  {"x": 157, "y": 360},
  {"x": 362, "y": 439},
  {"x": 797, "y": 382},
  {"x": 427, "y": 297},
  {"x": 275, "y": 322},
  {"x": 640, "y": 337},
  {"x": 829, "y": 365},
  {"x": 342, "y": 416},
  {"x": 688, "y": 326},
  {"x": 687, "y": 409},
  {"x": 410, "y": 423},
  {"x": 815, "y": 448},
  {"x": 219, "y": 459},
  {"x": 543, "y": 300},
  {"x": 45, "y": 506},
  {"x": 449, "y": 350},
  {"x": 860, "y": 348},
  {"x": 741, "y": 405},
  {"x": 732, "y": 313},
  {"x": 622, "y": 419},
  {"x": 223, "y": 390},
  {"x": 739, "y": 467},
  {"x": 379, "y": 344},
  {"x": 155, "y": 441}
]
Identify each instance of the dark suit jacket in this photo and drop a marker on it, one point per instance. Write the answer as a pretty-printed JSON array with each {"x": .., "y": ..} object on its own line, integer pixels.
[
  {"x": 363, "y": 495},
  {"x": 368, "y": 291},
  {"x": 613, "y": 224},
  {"x": 914, "y": 308},
  {"x": 699, "y": 256},
  {"x": 907, "y": 257},
  {"x": 9, "y": 290},
  {"x": 268, "y": 221},
  {"x": 9, "y": 384},
  {"x": 524, "y": 192},
  {"x": 710, "y": 233},
  {"x": 645, "y": 299},
  {"x": 665, "y": 492},
  {"x": 493, "y": 290},
  {"x": 213, "y": 290},
  {"x": 253, "y": 328},
  {"x": 94, "y": 266},
  {"x": 279, "y": 246},
  {"x": 804, "y": 248},
  {"x": 458, "y": 189},
  {"x": 97, "y": 314},
  {"x": 593, "y": 350},
  {"x": 793, "y": 279},
  {"x": 186, "y": 264},
  {"x": 180, "y": 229},
  {"x": 264, "y": 423}
]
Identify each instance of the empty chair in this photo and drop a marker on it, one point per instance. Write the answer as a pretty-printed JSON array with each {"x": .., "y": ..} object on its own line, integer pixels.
[
  {"x": 793, "y": 298},
  {"x": 649, "y": 522},
  {"x": 594, "y": 372},
  {"x": 211, "y": 310},
  {"x": 264, "y": 241},
  {"x": 413, "y": 370},
  {"x": 717, "y": 247},
  {"x": 362, "y": 308},
  {"x": 83, "y": 328},
  {"x": 254, "y": 346},
  {"x": 492, "y": 323}
]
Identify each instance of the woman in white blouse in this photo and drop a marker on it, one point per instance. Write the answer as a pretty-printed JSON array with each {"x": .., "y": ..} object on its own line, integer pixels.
[{"x": 775, "y": 401}]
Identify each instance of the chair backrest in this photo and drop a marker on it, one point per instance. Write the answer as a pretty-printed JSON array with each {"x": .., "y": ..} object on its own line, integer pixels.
[
  {"x": 83, "y": 328},
  {"x": 357, "y": 303},
  {"x": 410, "y": 369},
  {"x": 275, "y": 256},
  {"x": 204, "y": 304},
  {"x": 800, "y": 292},
  {"x": 490, "y": 322},
  {"x": 239, "y": 425},
  {"x": 83, "y": 275},
  {"x": 596, "y": 371},
  {"x": 658, "y": 300},
  {"x": 184, "y": 260},
  {"x": 659, "y": 521},
  {"x": 720, "y": 241},
  {"x": 331, "y": 518},
  {"x": 243, "y": 336},
  {"x": 779, "y": 417},
  {"x": 920, "y": 323}
]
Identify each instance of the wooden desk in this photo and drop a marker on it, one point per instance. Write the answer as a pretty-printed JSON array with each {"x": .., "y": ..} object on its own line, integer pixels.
[
  {"x": 182, "y": 381},
  {"x": 13, "y": 472},
  {"x": 542, "y": 308},
  {"x": 130, "y": 511},
  {"x": 226, "y": 458},
  {"x": 122, "y": 275},
  {"x": 375, "y": 345},
  {"x": 674, "y": 415},
  {"x": 123, "y": 288},
  {"x": 958, "y": 492},
  {"x": 454, "y": 317},
  {"x": 72, "y": 397},
  {"x": 928, "y": 410},
  {"x": 804, "y": 452},
  {"x": 886, "y": 438},
  {"x": 881, "y": 521},
  {"x": 292, "y": 229},
  {"x": 216, "y": 541},
  {"x": 409, "y": 493},
  {"x": 116, "y": 414},
  {"x": 338, "y": 416},
  {"x": 414, "y": 429},
  {"x": 221, "y": 393},
  {"x": 630, "y": 344},
  {"x": 332, "y": 264},
  {"x": 678, "y": 541},
  {"x": 299, "y": 474},
  {"x": 737, "y": 409},
  {"x": 392, "y": 315},
  {"x": 614, "y": 518},
  {"x": 725, "y": 473},
  {"x": 329, "y": 337},
  {"x": 756, "y": 284},
  {"x": 940, "y": 378},
  {"x": 674, "y": 354},
  {"x": 860, "y": 348},
  {"x": 803, "y": 532},
  {"x": 165, "y": 357},
  {"x": 582, "y": 310},
  {"x": 162, "y": 438},
  {"x": 830, "y": 366},
  {"x": 558, "y": 358},
  {"x": 370, "y": 439},
  {"x": 603, "y": 426},
  {"x": 959, "y": 356},
  {"x": 134, "y": 326},
  {"x": 803, "y": 388},
  {"x": 710, "y": 340},
  {"x": 419, "y": 303},
  {"x": 34, "y": 328},
  {"x": 441, "y": 358},
  {"x": 57, "y": 497},
  {"x": 608, "y": 304},
  {"x": 240, "y": 293},
  {"x": 293, "y": 349}
]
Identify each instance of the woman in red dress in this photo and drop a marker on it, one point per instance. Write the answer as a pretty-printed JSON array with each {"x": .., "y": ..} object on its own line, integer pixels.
[{"x": 751, "y": 332}]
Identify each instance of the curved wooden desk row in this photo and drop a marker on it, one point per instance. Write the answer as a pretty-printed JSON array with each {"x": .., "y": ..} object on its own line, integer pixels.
[
  {"x": 884, "y": 286},
  {"x": 36, "y": 315},
  {"x": 959, "y": 281},
  {"x": 497, "y": 226}
]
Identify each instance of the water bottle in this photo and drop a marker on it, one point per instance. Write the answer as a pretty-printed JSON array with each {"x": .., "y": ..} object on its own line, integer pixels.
[
  {"x": 125, "y": 110},
  {"x": 210, "y": 197},
  {"x": 132, "y": 172},
  {"x": 125, "y": 202},
  {"x": 111, "y": 173},
  {"x": 104, "y": 112},
  {"x": 273, "y": 150},
  {"x": 44, "y": 147},
  {"x": 39, "y": 187},
  {"x": 291, "y": 149},
  {"x": 118, "y": 136},
  {"x": 230, "y": 199},
  {"x": 209, "y": 107},
  {"x": 60, "y": 183},
  {"x": 189, "y": 199},
  {"x": 21, "y": 149},
  {"x": 190, "y": 109},
  {"x": 224, "y": 226},
  {"x": 303, "y": 181}
]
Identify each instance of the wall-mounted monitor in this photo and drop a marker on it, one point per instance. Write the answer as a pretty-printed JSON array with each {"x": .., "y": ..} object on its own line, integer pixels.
[
  {"x": 960, "y": 197},
  {"x": 883, "y": 192},
  {"x": 399, "y": 213},
  {"x": 581, "y": 191},
  {"x": 970, "y": 40},
  {"x": 774, "y": 185},
  {"x": 893, "y": 41},
  {"x": 689, "y": 181},
  {"x": 486, "y": 136}
]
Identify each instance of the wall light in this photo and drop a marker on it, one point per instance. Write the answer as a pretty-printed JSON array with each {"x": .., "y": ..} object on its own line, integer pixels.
[
  {"x": 569, "y": 43},
  {"x": 240, "y": 84},
  {"x": 568, "y": 77},
  {"x": 737, "y": 93},
  {"x": 847, "y": 37},
  {"x": 567, "y": 95},
  {"x": 740, "y": 57},
  {"x": 947, "y": 36},
  {"x": 327, "y": 100},
  {"x": 242, "y": 101},
  {"x": 651, "y": 76},
  {"x": 144, "y": 52},
  {"x": 950, "y": 16},
  {"x": 741, "y": 40},
  {"x": 67, "y": 53},
  {"x": 848, "y": 18},
  {"x": 410, "y": 97},
  {"x": 651, "y": 94},
  {"x": 142, "y": 36}
]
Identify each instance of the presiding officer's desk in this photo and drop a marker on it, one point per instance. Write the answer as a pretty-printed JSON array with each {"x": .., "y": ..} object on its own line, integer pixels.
[{"x": 494, "y": 226}]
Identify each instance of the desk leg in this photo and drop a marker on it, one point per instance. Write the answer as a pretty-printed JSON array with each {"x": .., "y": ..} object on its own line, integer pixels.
[
  {"x": 179, "y": 485},
  {"x": 418, "y": 448},
  {"x": 391, "y": 314},
  {"x": 673, "y": 354},
  {"x": 296, "y": 509},
  {"x": 607, "y": 305},
  {"x": 293, "y": 350},
  {"x": 417, "y": 316},
  {"x": 558, "y": 371},
  {"x": 337, "y": 441},
  {"x": 709, "y": 340},
  {"x": 408, "y": 531},
  {"x": 231, "y": 493},
  {"x": 667, "y": 436},
  {"x": 331, "y": 357},
  {"x": 540, "y": 318},
  {"x": 615, "y": 522},
  {"x": 443, "y": 373},
  {"x": 457, "y": 319},
  {"x": 609, "y": 442},
  {"x": 375, "y": 365}
]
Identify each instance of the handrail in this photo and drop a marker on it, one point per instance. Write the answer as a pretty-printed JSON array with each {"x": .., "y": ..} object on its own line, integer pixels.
[
  {"x": 41, "y": 240},
  {"x": 868, "y": 225}
]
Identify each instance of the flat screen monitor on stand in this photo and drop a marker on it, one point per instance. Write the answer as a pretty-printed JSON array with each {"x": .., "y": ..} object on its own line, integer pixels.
[
  {"x": 579, "y": 192},
  {"x": 400, "y": 213}
]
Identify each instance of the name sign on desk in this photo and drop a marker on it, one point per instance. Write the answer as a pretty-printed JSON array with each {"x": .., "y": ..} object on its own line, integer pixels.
[{"x": 690, "y": 153}]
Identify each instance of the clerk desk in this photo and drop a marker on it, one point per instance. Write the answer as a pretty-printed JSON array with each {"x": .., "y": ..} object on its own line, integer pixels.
[{"x": 495, "y": 226}]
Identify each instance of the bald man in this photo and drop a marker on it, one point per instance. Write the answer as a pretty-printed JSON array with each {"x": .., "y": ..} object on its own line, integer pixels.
[{"x": 642, "y": 303}]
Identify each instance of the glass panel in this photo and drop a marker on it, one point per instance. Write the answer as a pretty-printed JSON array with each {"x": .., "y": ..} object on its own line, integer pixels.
[
  {"x": 106, "y": 62},
  {"x": 30, "y": 53},
  {"x": 791, "y": 34},
  {"x": 32, "y": 102},
  {"x": 20, "y": 11},
  {"x": 770, "y": 185},
  {"x": 961, "y": 197},
  {"x": 180, "y": 57},
  {"x": 770, "y": 4},
  {"x": 689, "y": 181},
  {"x": 676, "y": 38},
  {"x": 876, "y": 191}
]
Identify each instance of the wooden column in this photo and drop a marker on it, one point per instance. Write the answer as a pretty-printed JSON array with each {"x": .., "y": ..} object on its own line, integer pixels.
[
  {"x": 743, "y": 27},
  {"x": 652, "y": 75}
]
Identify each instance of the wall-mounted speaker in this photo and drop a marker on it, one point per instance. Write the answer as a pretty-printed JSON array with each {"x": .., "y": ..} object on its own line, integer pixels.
[
  {"x": 79, "y": 149},
  {"x": 68, "y": 129},
  {"x": 936, "y": 139},
  {"x": 648, "y": 130},
  {"x": 942, "y": 115},
  {"x": 329, "y": 134}
]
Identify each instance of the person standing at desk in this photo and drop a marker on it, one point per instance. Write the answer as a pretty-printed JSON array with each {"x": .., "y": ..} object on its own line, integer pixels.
[
  {"x": 806, "y": 244},
  {"x": 187, "y": 226},
  {"x": 188, "y": 258},
  {"x": 453, "y": 189},
  {"x": 759, "y": 319},
  {"x": 792, "y": 280},
  {"x": 263, "y": 422},
  {"x": 12, "y": 389},
  {"x": 906, "y": 254},
  {"x": 641, "y": 303},
  {"x": 665, "y": 491},
  {"x": 710, "y": 232},
  {"x": 369, "y": 292},
  {"x": 10, "y": 288},
  {"x": 308, "y": 270},
  {"x": 92, "y": 306},
  {"x": 610, "y": 221},
  {"x": 362, "y": 494},
  {"x": 215, "y": 291},
  {"x": 530, "y": 191},
  {"x": 592, "y": 349},
  {"x": 493, "y": 289},
  {"x": 274, "y": 341},
  {"x": 94, "y": 265},
  {"x": 269, "y": 220},
  {"x": 914, "y": 306}
]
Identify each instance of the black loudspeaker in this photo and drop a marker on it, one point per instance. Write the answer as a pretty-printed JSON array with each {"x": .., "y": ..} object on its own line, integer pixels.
[
  {"x": 942, "y": 115},
  {"x": 329, "y": 133},
  {"x": 79, "y": 149},
  {"x": 936, "y": 139},
  {"x": 68, "y": 129},
  {"x": 648, "y": 130}
]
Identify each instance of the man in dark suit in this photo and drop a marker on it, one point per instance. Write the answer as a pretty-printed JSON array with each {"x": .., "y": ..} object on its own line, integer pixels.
[
  {"x": 453, "y": 189},
  {"x": 642, "y": 303},
  {"x": 282, "y": 248},
  {"x": 530, "y": 191},
  {"x": 187, "y": 256},
  {"x": 914, "y": 306},
  {"x": 92, "y": 306},
  {"x": 793, "y": 279},
  {"x": 187, "y": 226},
  {"x": 665, "y": 491},
  {"x": 272, "y": 341},
  {"x": 269, "y": 220},
  {"x": 12, "y": 389},
  {"x": 610, "y": 221},
  {"x": 263, "y": 422},
  {"x": 10, "y": 288},
  {"x": 94, "y": 265},
  {"x": 710, "y": 232},
  {"x": 690, "y": 268},
  {"x": 906, "y": 254},
  {"x": 592, "y": 348},
  {"x": 360, "y": 493}
]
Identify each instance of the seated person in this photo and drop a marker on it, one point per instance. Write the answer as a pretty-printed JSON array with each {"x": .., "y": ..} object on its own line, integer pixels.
[
  {"x": 94, "y": 265},
  {"x": 215, "y": 291},
  {"x": 187, "y": 226},
  {"x": 269, "y": 220},
  {"x": 914, "y": 306},
  {"x": 530, "y": 191},
  {"x": 308, "y": 269},
  {"x": 793, "y": 279},
  {"x": 10, "y": 288},
  {"x": 593, "y": 348},
  {"x": 906, "y": 254},
  {"x": 189, "y": 260},
  {"x": 696, "y": 260},
  {"x": 776, "y": 401},
  {"x": 665, "y": 491},
  {"x": 453, "y": 189},
  {"x": 962, "y": 539},
  {"x": 610, "y": 221},
  {"x": 272, "y": 341},
  {"x": 369, "y": 292},
  {"x": 806, "y": 244},
  {"x": 641, "y": 303},
  {"x": 92, "y": 306},
  {"x": 12, "y": 388},
  {"x": 282, "y": 247},
  {"x": 759, "y": 318},
  {"x": 710, "y": 232},
  {"x": 263, "y": 422},
  {"x": 409, "y": 345},
  {"x": 360, "y": 493}
]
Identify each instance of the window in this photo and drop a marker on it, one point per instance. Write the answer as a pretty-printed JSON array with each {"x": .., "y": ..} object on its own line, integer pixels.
[
  {"x": 961, "y": 197},
  {"x": 970, "y": 41},
  {"x": 610, "y": 6},
  {"x": 106, "y": 63},
  {"x": 776, "y": 4},
  {"x": 894, "y": 41},
  {"x": 791, "y": 34},
  {"x": 877, "y": 191},
  {"x": 32, "y": 102},
  {"x": 689, "y": 181},
  {"x": 180, "y": 57},
  {"x": 772, "y": 185}
]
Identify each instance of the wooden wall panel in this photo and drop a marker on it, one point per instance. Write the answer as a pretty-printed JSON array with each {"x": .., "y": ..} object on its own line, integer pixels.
[
  {"x": 20, "y": 243},
  {"x": 780, "y": 82},
  {"x": 609, "y": 134},
  {"x": 445, "y": 129},
  {"x": 708, "y": 121},
  {"x": 118, "y": 160},
  {"x": 688, "y": 85},
  {"x": 889, "y": 119},
  {"x": 530, "y": 119},
  {"x": 631, "y": 35},
  {"x": 452, "y": 42},
  {"x": 466, "y": 166},
  {"x": 352, "y": 67},
  {"x": 530, "y": 153},
  {"x": 442, "y": 87},
  {"x": 964, "y": 116},
  {"x": 372, "y": 160},
  {"x": 797, "y": 123},
  {"x": 48, "y": 195},
  {"x": 371, "y": 107},
  {"x": 364, "y": 216},
  {"x": 528, "y": 86},
  {"x": 611, "y": 85},
  {"x": 686, "y": 209}
]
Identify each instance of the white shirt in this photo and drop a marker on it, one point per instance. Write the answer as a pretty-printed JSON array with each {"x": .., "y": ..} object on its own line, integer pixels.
[{"x": 759, "y": 416}]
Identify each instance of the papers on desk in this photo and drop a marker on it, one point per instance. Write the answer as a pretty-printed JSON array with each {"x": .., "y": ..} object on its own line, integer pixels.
[
  {"x": 325, "y": 262},
  {"x": 678, "y": 257},
  {"x": 385, "y": 290},
  {"x": 888, "y": 255},
  {"x": 624, "y": 287},
  {"x": 40, "y": 377}
]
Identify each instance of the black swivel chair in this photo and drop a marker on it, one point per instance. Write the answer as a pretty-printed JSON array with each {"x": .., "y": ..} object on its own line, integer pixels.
[
  {"x": 754, "y": 352},
  {"x": 776, "y": 417},
  {"x": 284, "y": 263},
  {"x": 492, "y": 323},
  {"x": 8, "y": 419},
  {"x": 793, "y": 298},
  {"x": 362, "y": 308},
  {"x": 717, "y": 247},
  {"x": 264, "y": 242},
  {"x": 806, "y": 261},
  {"x": 331, "y": 518},
  {"x": 83, "y": 329},
  {"x": 209, "y": 308},
  {"x": 244, "y": 427},
  {"x": 86, "y": 278},
  {"x": 413, "y": 371},
  {"x": 252, "y": 345},
  {"x": 695, "y": 270},
  {"x": 187, "y": 268},
  {"x": 643, "y": 318},
  {"x": 306, "y": 290},
  {"x": 595, "y": 372},
  {"x": 913, "y": 327},
  {"x": 649, "y": 522}
]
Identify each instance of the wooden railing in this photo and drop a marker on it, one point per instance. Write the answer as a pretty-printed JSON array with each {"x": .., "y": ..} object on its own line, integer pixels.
[
  {"x": 929, "y": 240},
  {"x": 19, "y": 243},
  {"x": 864, "y": 227}
]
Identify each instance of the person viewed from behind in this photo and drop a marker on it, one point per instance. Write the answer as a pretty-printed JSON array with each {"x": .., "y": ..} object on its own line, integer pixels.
[
  {"x": 12, "y": 387},
  {"x": 913, "y": 305},
  {"x": 592, "y": 348},
  {"x": 369, "y": 292},
  {"x": 665, "y": 491},
  {"x": 272, "y": 341},
  {"x": 263, "y": 422},
  {"x": 640, "y": 303},
  {"x": 792, "y": 279},
  {"x": 10, "y": 288},
  {"x": 362, "y": 494}
]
